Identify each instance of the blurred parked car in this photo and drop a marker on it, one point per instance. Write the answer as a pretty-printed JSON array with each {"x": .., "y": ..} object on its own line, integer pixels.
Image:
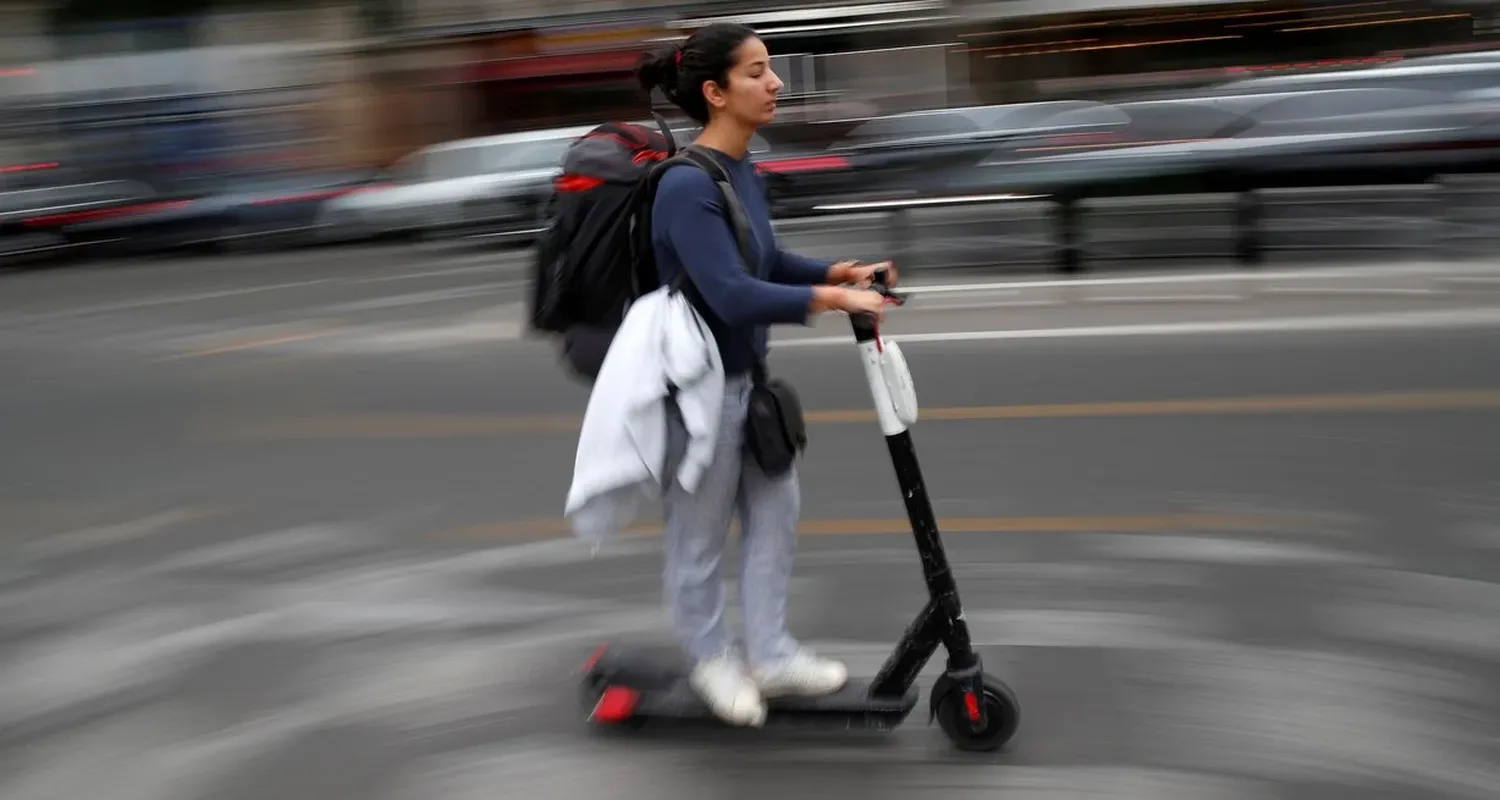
[
  {"x": 515, "y": 206},
  {"x": 245, "y": 212},
  {"x": 45, "y": 213},
  {"x": 433, "y": 190}
]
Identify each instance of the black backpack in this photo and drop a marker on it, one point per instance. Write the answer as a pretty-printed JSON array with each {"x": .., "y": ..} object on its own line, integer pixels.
[{"x": 595, "y": 258}]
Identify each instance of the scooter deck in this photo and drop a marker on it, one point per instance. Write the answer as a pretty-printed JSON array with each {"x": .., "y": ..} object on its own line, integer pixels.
[
  {"x": 851, "y": 707},
  {"x": 658, "y": 688}
]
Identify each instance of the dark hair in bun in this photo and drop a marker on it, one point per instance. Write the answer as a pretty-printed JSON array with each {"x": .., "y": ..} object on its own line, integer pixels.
[{"x": 681, "y": 70}]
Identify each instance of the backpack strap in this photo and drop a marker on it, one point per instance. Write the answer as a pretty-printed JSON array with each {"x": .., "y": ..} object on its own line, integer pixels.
[
  {"x": 734, "y": 211},
  {"x": 666, "y": 133},
  {"x": 739, "y": 223}
]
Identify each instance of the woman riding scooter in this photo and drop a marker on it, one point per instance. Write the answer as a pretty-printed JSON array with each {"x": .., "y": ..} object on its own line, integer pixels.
[{"x": 721, "y": 77}]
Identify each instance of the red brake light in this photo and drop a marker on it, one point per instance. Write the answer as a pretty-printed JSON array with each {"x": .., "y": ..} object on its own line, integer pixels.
[
  {"x": 30, "y": 167},
  {"x": 809, "y": 164},
  {"x": 615, "y": 705},
  {"x": 971, "y": 706},
  {"x": 71, "y": 217}
]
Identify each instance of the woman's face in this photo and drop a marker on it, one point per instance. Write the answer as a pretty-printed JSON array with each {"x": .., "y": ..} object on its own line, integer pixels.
[{"x": 750, "y": 97}]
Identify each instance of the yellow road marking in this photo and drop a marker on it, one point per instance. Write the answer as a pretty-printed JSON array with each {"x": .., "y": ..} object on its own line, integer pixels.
[
  {"x": 427, "y": 426},
  {"x": 528, "y": 530},
  {"x": 1265, "y": 404},
  {"x": 258, "y": 343}
]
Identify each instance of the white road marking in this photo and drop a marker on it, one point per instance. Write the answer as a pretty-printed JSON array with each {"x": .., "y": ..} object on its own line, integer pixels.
[
  {"x": 402, "y": 339},
  {"x": 416, "y": 298},
  {"x": 1164, "y": 298},
  {"x": 1350, "y": 291},
  {"x": 996, "y": 304},
  {"x": 1408, "y": 320},
  {"x": 436, "y": 273},
  {"x": 432, "y": 266},
  {"x": 873, "y": 205},
  {"x": 1437, "y": 271}
]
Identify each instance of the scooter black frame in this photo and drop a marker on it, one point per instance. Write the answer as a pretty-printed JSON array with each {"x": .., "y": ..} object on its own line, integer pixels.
[
  {"x": 976, "y": 710},
  {"x": 941, "y": 621}
]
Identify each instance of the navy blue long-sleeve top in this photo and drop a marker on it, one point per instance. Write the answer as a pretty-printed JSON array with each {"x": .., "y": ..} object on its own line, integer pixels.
[{"x": 690, "y": 231}]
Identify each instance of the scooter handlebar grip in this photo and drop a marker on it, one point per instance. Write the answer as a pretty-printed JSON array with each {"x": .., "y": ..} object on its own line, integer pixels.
[{"x": 879, "y": 282}]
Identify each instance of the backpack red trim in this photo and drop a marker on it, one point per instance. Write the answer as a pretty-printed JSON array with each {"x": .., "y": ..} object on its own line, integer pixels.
[
  {"x": 576, "y": 183},
  {"x": 626, "y": 141}
]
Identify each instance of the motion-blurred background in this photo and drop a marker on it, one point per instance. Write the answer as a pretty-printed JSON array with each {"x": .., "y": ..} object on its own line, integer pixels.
[
  {"x": 1203, "y": 322},
  {"x": 1055, "y": 129}
]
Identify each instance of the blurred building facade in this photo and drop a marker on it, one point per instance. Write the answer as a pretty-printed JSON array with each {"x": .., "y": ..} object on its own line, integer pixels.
[
  {"x": 261, "y": 86},
  {"x": 1041, "y": 49},
  {"x": 338, "y": 82},
  {"x": 565, "y": 68},
  {"x": 527, "y": 64}
]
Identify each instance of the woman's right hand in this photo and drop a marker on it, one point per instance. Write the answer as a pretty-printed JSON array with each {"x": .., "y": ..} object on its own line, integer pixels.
[
  {"x": 853, "y": 301},
  {"x": 864, "y": 301}
]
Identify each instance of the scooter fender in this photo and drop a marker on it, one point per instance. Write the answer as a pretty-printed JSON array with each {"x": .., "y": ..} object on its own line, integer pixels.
[{"x": 944, "y": 687}]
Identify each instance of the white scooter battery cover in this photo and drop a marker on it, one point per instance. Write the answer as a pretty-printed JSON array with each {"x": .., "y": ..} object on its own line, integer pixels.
[
  {"x": 891, "y": 385},
  {"x": 898, "y": 382}
]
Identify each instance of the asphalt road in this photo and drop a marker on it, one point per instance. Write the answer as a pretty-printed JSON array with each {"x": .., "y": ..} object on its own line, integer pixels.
[{"x": 288, "y": 527}]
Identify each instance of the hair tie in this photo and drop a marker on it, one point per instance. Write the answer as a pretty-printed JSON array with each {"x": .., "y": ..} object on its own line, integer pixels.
[{"x": 679, "y": 56}]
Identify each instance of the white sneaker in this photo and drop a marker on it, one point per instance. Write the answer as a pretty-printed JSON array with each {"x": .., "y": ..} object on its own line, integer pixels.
[
  {"x": 803, "y": 675},
  {"x": 729, "y": 693}
]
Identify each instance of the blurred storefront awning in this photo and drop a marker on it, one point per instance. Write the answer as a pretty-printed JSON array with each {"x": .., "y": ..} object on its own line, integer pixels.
[
  {"x": 611, "y": 19},
  {"x": 814, "y": 12},
  {"x": 1012, "y": 9},
  {"x": 566, "y": 53},
  {"x": 768, "y": 18},
  {"x": 828, "y": 18},
  {"x": 552, "y": 66}
]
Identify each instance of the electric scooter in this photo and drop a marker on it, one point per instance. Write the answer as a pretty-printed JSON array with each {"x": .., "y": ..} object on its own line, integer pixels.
[{"x": 977, "y": 711}]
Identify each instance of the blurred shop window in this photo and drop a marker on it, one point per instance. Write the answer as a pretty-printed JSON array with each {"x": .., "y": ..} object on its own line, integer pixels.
[
  {"x": 380, "y": 17},
  {"x": 95, "y": 27}
]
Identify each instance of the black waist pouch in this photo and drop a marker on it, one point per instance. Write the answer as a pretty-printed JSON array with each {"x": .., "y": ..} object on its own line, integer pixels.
[{"x": 775, "y": 429}]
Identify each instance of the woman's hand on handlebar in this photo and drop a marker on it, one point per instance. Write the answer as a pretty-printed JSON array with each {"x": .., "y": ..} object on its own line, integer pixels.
[
  {"x": 865, "y": 274},
  {"x": 862, "y": 275},
  {"x": 852, "y": 301},
  {"x": 864, "y": 301}
]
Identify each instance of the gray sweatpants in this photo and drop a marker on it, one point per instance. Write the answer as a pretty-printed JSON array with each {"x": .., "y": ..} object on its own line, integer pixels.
[{"x": 697, "y": 529}]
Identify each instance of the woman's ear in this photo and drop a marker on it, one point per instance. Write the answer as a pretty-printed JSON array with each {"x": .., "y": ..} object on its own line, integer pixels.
[{"x": 714, "y": 95}]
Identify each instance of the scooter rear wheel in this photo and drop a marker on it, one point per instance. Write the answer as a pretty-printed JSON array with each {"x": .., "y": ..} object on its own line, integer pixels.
[{"x": 1002, "y": 718}]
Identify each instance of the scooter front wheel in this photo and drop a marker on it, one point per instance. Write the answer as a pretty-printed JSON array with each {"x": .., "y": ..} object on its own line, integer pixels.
[{"x": 1002, "y": 717}]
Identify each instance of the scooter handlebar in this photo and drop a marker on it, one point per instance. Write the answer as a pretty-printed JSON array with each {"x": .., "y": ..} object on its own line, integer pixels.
[
  {"x": 864, "y": 324},
  {"x": 879, "y": 284}
]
